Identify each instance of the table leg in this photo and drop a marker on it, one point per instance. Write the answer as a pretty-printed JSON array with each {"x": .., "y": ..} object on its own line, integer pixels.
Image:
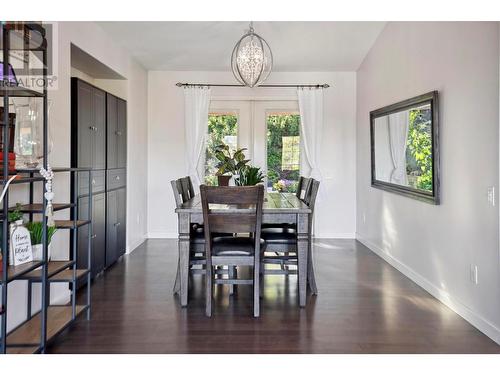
[
  {"x": 302, "y": 254},
  {"x": 184, "y": 243},
  {"x": 311, "y": 279}
]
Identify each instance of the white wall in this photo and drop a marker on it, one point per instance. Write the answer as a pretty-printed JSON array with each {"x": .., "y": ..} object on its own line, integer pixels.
[
  {"x": 92, "y": 39},
  {"x": 336, "y": 214},
  {"x": 435, "y": 245}
]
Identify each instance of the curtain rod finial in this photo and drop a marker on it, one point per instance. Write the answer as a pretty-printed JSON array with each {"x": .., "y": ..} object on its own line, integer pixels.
[{"x": 178, "y": 84}]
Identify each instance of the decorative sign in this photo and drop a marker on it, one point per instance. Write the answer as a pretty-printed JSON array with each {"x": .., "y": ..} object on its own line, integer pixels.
[{"x": 20, "y": 245}]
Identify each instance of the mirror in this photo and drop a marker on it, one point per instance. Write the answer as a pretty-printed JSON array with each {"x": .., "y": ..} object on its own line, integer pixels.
[{"x": 405, "y": 148}]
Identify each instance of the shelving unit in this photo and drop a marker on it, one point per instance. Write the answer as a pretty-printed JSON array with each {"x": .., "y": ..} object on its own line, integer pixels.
[{"x": 33, "y": 335}]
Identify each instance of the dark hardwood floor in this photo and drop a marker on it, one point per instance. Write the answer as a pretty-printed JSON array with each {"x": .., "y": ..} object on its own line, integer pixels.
[{"x": 364, "y": 306}]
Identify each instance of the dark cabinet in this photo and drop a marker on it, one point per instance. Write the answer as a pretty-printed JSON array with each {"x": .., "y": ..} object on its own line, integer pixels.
[
  {"x": 98, "y": 233},
  {"x": 115, "y": 225},
  {"x": 116, "y": 132},
  {"x": 99, "y": 142},
  {"x": 89, "y": 125}
]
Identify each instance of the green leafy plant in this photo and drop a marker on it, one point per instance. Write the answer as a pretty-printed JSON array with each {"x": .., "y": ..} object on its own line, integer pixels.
[
  {"x": 16, "y": 214},
  {"x": 36, "y": 232},
  {"x": 419, "y": 145},
  {"x": 249, "y": 176},
  {"x": 229, "y": 162}
]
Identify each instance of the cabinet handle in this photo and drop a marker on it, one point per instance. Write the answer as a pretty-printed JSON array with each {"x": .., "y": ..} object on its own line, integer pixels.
[
  {"x": 94, "y": 236},
  {"x": 117, "y": 178},
  {"x": 93, "y": 128},
  {"x": 93, "y": 182},
  {"x": 117, "y": 224},
  {"x": 118, "y": 133}
]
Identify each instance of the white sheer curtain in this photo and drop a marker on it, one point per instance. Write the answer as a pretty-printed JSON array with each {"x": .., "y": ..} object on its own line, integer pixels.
[
  {"x": 311, "y": 127},
  {"x": 197, "y": 101},
  {"x": 398, "y": 134}
]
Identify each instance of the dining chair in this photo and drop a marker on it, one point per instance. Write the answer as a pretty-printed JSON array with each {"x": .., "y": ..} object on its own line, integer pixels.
[
  {"x": 183, "y": 191},
  {"x": 235, "y": 209},
  {"x": 281, "y": 245}
]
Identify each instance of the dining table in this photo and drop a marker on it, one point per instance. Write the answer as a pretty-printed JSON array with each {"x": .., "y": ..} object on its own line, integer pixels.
[{"x": 278, "y": 208}]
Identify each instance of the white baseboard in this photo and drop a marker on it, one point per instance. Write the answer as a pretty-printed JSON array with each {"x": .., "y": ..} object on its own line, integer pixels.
[
  {"x": 162, "y": 235},
  {"x": 318, "y": 236},
  {"x": 325, "y": 236},
  {"x": 482, "y": 324}
]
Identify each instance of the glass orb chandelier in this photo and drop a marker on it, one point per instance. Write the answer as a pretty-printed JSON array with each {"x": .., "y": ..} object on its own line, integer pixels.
[{"x": 252, "y": 59}]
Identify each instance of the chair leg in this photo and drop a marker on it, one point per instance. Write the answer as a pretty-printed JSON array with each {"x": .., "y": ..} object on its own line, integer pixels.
[
  {"x": 230, "y": 273},
  {"x": 209, "y": 290},
  {"x": 311, "y": 279},
  {"x": 177, "y": 285},
  {"x": 256, "y": 290},
  {"x": 261, "y": 280}
]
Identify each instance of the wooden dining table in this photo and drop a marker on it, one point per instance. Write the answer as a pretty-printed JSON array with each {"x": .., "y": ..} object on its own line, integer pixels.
[{"x": 278, "y": 208}]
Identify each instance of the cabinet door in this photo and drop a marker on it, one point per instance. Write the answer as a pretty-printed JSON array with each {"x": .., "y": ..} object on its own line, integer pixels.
[
  {"x": 111, "y": 228},
  {"x": 112, "y": 129},
  {"x": 83, "y": 231},
  {"x": 85, "y": 125},
  {"x": 99, "y": 101},
  {"x": 98, "y": 233},
  {"x": 121, "y": 235},
  {"x": 121, "y": 134}
]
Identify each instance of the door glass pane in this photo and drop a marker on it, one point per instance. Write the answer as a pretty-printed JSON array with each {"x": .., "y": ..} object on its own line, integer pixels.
[
  {"x": 283, "y": 152},
  {"x": 222, "y": 128}
]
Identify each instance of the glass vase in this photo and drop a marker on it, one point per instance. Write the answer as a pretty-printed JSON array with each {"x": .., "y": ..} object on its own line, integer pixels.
[{"x": 28, "y": 142}]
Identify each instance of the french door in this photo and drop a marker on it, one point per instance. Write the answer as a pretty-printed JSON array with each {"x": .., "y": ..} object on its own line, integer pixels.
[{"x": 268, "y": 129}]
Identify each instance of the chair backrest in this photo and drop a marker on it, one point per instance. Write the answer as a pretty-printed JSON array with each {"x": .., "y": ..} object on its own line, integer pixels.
[
  {"x": 302, "y": 187},
  {"x": 312, "y": 193},
  {"x": 183, "y": 190},
  {"x": 240, "y": 210}
]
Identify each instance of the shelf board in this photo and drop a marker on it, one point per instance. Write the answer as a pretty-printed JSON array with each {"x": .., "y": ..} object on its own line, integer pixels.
[
  {"x": 28, "y": 333},
  {"x": 54, "y": 169},
  {"x": 15, "y": 272},
  {"x": 21, "y": 92},
  {"x": 22, "y": 179},
  {"x": 53, "y": 268},
  {"x": 32, "y": 349},
  {"x": 37, "y": 208},
  {"x": 70, "y": 224},
  {"x": 67, "y": 275}
]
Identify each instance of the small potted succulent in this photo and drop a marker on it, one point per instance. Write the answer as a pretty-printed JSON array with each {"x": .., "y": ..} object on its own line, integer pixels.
[
  {"x": 230, "y": 163},
  {"x": 36, "y": 232}
]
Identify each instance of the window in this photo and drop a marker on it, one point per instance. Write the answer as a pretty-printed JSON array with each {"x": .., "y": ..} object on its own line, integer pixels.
[
  {"x": 222, "y": 128},
  {"x": 283, "y": 151}
]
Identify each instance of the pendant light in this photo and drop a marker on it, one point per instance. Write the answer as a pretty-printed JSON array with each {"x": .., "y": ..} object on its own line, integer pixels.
[{"x": 252, "y": 59}]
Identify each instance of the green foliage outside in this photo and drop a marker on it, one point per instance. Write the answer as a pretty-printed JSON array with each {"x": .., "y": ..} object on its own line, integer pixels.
[
  {"x": 223, "y": 129},
  {"x": 419, "y": 150},
  {"x": 219, "y": 128},
  {"x": 279, "y": 126}
]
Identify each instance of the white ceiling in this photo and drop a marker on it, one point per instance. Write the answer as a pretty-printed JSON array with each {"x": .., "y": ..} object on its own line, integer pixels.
[{"x": 296, "y": 46}]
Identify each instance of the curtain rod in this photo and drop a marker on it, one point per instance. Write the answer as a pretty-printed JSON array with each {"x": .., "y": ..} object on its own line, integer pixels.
[{"x": 179, "y": 84}]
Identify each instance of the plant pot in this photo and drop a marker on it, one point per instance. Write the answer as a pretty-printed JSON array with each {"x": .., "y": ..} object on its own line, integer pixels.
[
  {"x": 38, "y": 252},
  {"x": 232, "y": 181},
  {"x": 223, "y": 180}
]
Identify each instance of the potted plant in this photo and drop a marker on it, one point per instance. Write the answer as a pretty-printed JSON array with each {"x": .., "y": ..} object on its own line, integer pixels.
[
  {"x": 36, "y": 232},
  {"x": 16, "y": 216},
  {"x": 249, "y": 176},
  {"x": 229, "y": 163}
]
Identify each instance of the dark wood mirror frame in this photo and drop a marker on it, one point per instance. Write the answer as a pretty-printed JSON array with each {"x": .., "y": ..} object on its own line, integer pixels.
[{"x": 423, "y": 195}]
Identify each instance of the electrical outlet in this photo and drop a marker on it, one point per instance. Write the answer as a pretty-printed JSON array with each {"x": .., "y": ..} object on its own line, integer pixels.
[
  {"x": 474, "y": 274},
  {"x": 491, "y": 195},
  {"x": 138, "y": 219},
  {"x": 364, "y": 218}
]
